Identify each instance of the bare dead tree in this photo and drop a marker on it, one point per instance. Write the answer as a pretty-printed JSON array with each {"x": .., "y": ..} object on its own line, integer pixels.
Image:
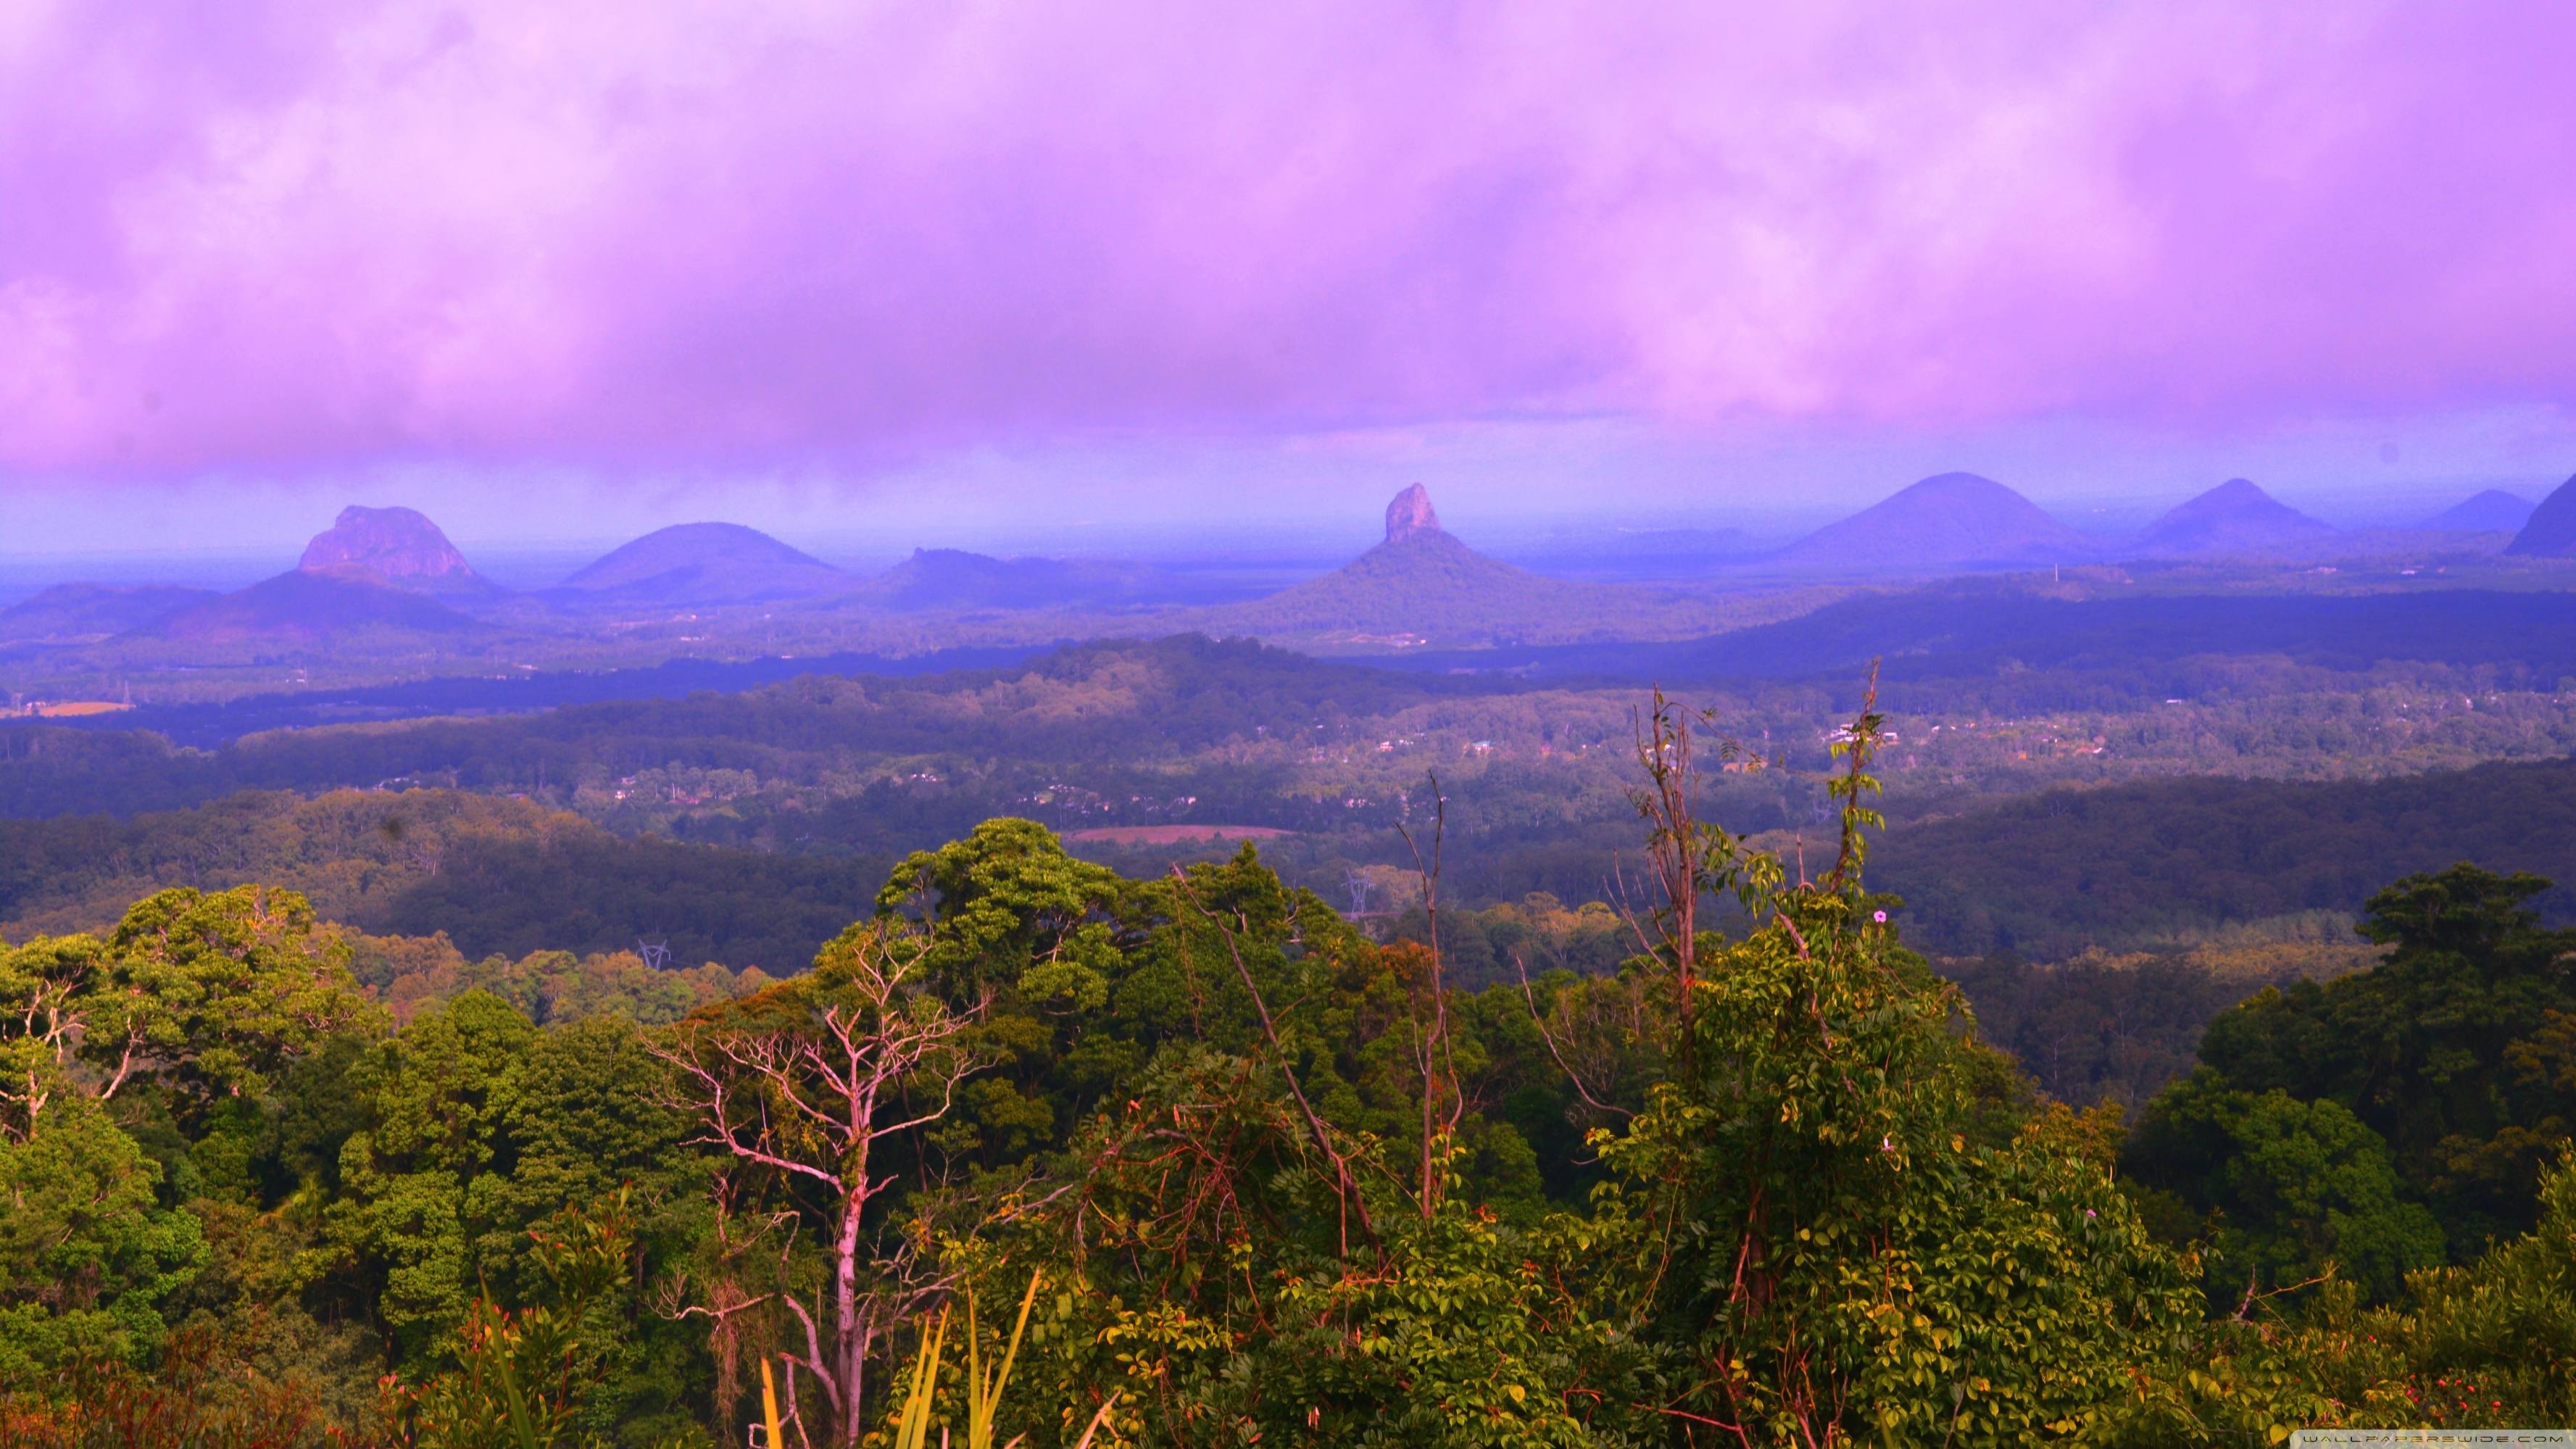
[
  {"x": 861, "y": 1055},
  {"x": 1688, "y": 856},
  {"x": 1443, "y": 1104},
  {"x": 760, "y": 1242},
  {"x": 1669, "y": 802}
]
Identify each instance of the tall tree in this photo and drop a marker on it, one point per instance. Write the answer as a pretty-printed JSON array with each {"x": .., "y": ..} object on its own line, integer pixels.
[{"x": 808, "y": 1081}]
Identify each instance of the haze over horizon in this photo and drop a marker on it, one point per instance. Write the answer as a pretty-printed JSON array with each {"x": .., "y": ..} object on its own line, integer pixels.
[{"x": 1022, "y": 281}]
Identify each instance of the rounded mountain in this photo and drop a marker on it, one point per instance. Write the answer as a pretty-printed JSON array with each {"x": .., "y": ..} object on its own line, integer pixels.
[
  {"x": 1950, "y": 520},
  {"x": 703, "y": 563}
]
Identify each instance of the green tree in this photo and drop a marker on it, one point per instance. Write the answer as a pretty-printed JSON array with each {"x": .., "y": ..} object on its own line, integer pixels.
[
  {"x": 425, "y": 1204},
  {"x": 88, "y": 1256},
  {"x": 2290, "y": 1191},
  {"x": 1009, "y": 907},
  {"x": 210, "y": 996},
  {"x": 1816, "y": 1246},
  {"x": 46, "y": 988},
  {"x": 2453, "y": 1057}
]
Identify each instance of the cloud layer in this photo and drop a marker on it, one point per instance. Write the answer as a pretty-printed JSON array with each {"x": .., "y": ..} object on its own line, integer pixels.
[{"x": 287, "y": 238}]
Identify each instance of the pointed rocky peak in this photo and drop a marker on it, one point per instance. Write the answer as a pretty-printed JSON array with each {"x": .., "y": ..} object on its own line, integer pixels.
[
  {"x": 1411, "y": 514},
  {"x": 399, "y": 546}
]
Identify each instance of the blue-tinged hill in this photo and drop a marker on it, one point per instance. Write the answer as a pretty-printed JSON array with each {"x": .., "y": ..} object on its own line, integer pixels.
[
  {"x": 2493, "y": 511},
  {"x": 699, "y": 563},
  {"x": 1952, "y": 521},
  {"x": 2550, "y": 532},
  {"x": 86, "y": 613},
  {"x": 2236, "y": 517}
]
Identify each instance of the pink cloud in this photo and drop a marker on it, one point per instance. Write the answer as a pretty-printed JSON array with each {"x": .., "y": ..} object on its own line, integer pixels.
[{"x": 287, "y": 238}]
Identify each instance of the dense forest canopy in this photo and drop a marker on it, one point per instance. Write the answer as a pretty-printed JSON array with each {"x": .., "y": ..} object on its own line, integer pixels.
[
  {"x": 1212, "y": 1165},
  {"x": 2185, "y": 859},
  {"x": 2165, "y": 865}
]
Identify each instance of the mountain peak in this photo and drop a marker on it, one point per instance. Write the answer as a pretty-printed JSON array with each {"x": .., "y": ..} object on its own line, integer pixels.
[
  {"x": 701, "y": 563},
  {"x": 2235, "y": 515},
  {"x": 2550, "y": 532},
  {"x": 2493, "y": 511},
  {"x": 399, "y": 546},
  {"x": 1410, "y": 514},
  {"x": 1949, "y": 520}
]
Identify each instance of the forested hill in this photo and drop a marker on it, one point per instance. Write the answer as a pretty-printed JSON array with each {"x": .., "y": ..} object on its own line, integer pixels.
[
  {"x": 496, "y": 875},
  {"x": 1124, "y": 700},
  {"x": 2050, "y": 875}
]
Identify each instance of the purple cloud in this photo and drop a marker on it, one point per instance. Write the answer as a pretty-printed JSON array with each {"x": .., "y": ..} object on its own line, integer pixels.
[{"x": 282, "y": 239}]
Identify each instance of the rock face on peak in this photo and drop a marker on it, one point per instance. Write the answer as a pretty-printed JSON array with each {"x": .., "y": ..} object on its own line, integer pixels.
[
  {"x": 2551, "y": 532},
  {"x": 2234, "y": 516},
  {"x": 399, "y": 547},
  {"x": 1423, "y": 585},
  {"x": 1950, "y": 520},
  {"x": 701, "y": 563},
  {"x": 1411, "y": 514},
  {"x": 2494, "y": 511}
]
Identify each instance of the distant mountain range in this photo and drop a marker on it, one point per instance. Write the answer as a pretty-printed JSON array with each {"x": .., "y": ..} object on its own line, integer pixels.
[
  {"x": 384, "y": 588},
  {"x": 948, "y": 580},
  {"x": 309, "y": 607},
  {"x": 375, "y": 572},
  {"x": 1962, "y": 523}
]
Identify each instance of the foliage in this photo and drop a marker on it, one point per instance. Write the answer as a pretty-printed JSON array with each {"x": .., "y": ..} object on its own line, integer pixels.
[
  {"x": 523, "y": 1380},
  {"x": 1822, "y": 1252},
  {"x": 88, "y": 1257},
  {"x": 212, "y": 996},
  {"x": 1011, "y": 908},
  {"x": 410, "y": 974},
  {"x": 2178, "y": 860},
  {"x": 2489, "y": 1344},
  {"x": 497, "y": 876},
  {"x": 200, "y": 1395},
  {"x": 2387, "y": 1119},
  {"x": 2105, "y": 1028}
]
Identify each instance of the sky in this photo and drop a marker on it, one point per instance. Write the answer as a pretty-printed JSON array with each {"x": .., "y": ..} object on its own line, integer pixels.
[{"x": 564, "y": 270}]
